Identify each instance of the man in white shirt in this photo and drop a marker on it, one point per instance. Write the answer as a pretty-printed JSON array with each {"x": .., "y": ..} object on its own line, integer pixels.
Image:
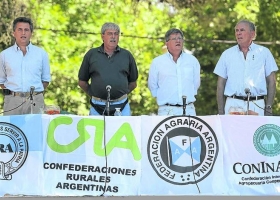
[
  {"x": 246, "y": 75},
  {"x": 174, "y": 75}
]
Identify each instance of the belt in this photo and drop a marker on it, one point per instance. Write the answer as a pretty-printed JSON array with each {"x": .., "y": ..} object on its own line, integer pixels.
[
  {"x": 245, "y": 98},
  {"x": 177, "y": 105},
  {"x": 111, "y": 100},
  {"x": 24, "y": 94}
]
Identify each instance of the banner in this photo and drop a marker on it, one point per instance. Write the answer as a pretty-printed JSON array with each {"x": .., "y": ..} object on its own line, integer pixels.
[
  {"x": 184, "y": 156},
  {"x": 21, "y": 153},
  {"x": 251, "y": 154},
  {"x": 75, "y": 162},
  {"x": 65, "y": 155}
]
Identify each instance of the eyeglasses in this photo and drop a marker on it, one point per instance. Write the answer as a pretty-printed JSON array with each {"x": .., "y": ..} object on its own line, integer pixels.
[
  {"x": 175, "y": 39},
  {"x": 112, "y": 33}
]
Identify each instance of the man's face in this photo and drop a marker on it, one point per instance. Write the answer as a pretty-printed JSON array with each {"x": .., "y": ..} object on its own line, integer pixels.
[
  {"x": 243, "y": 34},
  {"x": 175, "y": 43},
  {"x": 110, "y": 38},
  {"x": 22, "y": 33}
]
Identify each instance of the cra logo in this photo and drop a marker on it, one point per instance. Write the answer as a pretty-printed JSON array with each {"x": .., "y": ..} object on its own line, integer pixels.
[
  {"x": 182, "y": 149},
  {"x": 13, "y": 150},
  {"x": 267, "y": 140}
]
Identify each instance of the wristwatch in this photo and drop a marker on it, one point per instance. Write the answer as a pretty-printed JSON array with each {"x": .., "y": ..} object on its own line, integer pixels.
[{"x": 269, "y": 107}]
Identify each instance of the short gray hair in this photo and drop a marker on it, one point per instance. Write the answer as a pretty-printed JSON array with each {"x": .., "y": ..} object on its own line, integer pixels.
[
  {"x": 110, "y": 25},
  {"x": 251, "y": 25},
  {"x": 172, "y": 31}
]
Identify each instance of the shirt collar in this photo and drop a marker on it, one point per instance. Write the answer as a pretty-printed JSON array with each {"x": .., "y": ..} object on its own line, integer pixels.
[
  {"x": 28, "y": 47},
  {"x": 170, "y": 55},
  {"x": 251, "y": 47},
  {"x": 101, "y": 49}
]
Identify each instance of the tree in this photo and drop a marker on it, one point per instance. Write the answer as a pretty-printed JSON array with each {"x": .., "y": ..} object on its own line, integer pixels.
[
  {"x": 10, "y": 9},
  {"x": 67, "y": 29},
  {"x": 268, "y": 21}
]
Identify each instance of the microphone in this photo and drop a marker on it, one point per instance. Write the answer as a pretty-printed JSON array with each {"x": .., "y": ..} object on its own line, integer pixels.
[
  {"x": 32, "y": 88},
  {"x": 184, "y": 104},
  {"x": 248, "y": 93},
  {"x": 108, "y": 88}
]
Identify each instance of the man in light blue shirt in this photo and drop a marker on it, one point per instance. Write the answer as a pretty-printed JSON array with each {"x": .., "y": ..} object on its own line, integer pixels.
[
  {"x": 24, "y": 72},
  {"x": 246, "y": 75},
  {"x": 174, "y": 75}
]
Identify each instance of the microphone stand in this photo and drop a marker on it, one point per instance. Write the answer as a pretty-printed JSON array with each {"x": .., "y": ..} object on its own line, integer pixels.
[
  {"x": 108, "y": 103},
  {"x": 32, "y": 88},
  {"x": 248, "y": 102},
  {"x": 184, "y": 104},
  {"x": 31, "y": 102}
]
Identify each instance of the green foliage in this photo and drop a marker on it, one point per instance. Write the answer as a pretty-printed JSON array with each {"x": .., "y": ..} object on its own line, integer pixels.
[
  {"x": 268, "y": 28},
  {"x": 10, "y": 9},
  {"x": 68, "y": 29}
]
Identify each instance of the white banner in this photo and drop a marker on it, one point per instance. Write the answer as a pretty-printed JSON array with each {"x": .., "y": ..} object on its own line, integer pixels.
[
  {"x": 76, "y": 163},
  {"x": 184, "y": 156},
  {"x": 65, "y": 155},
  {"x": 251, "y": 154},
  {"x": 21, "y": 153}
]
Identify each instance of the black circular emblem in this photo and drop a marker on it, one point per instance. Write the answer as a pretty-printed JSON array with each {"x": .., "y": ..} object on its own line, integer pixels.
[
  {"x": 13, "y": 150},
  {"x": 183, "y": 149}
]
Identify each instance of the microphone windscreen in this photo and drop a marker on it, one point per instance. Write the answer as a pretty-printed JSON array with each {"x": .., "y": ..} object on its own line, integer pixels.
[{"x": 247, "y": 90}]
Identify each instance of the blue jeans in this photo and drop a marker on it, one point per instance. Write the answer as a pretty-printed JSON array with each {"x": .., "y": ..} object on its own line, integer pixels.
[{"x": 125, "y": 111}]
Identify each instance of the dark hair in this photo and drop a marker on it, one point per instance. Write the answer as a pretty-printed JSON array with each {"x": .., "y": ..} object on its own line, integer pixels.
[
  {"x": 25, "y": 20},
  {"x": 172, "y": 31}
]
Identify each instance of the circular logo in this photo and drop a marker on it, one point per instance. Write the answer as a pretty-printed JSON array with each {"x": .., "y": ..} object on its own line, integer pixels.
[
  {"x": 182, "y": 149},
  {"x": 267, "y": 140},
  {"x": 13, "y": 149}
]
